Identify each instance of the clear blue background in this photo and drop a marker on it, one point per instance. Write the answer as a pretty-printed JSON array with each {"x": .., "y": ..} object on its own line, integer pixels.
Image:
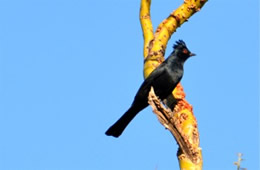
[{"x": 69, "y": 69}]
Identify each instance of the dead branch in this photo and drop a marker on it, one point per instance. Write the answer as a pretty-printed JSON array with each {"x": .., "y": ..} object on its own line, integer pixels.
[{"x": 174, "y": 122}]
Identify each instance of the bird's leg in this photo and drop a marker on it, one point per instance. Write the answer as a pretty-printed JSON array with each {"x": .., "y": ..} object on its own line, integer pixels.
[{"x": 170, "y": 102}]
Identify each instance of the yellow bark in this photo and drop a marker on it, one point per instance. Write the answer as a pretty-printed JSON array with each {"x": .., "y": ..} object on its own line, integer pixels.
[
  {"x": 156, "y": 43},
  {"x": 154, "y": 49},
  {"x": 146, "y": 23}
]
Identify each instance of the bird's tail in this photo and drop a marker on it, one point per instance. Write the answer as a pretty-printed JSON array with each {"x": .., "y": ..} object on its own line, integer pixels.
[{"x": 117, "y": 128}]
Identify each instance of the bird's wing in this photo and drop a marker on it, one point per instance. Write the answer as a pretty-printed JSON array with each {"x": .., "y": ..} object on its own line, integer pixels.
[
  {"x": 155, "y": 76},
  {"x": 163, "y": 83},
  {"x": 143, "y": 91}
]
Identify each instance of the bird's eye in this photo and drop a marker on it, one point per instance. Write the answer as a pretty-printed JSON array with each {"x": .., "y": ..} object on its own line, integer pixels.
[{"x": 185, "y": 51}]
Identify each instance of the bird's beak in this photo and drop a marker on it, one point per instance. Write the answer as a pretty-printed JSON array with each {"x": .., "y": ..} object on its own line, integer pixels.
[{"x": 192, "y": 54}]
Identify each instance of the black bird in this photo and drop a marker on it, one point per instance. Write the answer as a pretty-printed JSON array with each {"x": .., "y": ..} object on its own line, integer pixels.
[{"x": 163, "y": 79}]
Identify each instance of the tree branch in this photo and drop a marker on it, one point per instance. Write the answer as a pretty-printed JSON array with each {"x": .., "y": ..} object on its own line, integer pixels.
[
  {"x": 174, "y": 123},
  {"x": 181, "y": 122}
]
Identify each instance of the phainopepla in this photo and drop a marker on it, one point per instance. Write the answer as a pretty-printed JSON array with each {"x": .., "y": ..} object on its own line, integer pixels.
[{"x": 163, "y": 79}]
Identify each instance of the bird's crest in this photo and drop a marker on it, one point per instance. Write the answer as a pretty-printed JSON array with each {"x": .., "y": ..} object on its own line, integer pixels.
[{"x": 179, "y": 44}]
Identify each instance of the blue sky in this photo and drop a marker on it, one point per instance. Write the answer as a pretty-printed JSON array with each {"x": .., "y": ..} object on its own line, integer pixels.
[{"x": 69, "y": 69}]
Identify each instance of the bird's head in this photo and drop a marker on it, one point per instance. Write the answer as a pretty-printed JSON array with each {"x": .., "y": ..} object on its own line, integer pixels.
[{"x": 181, "y": 51}]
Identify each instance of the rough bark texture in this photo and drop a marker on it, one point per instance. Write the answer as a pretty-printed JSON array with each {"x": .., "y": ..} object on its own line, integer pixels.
[
  {"x": 181, "y": 122},
  {"x": 178, "y": 122}
]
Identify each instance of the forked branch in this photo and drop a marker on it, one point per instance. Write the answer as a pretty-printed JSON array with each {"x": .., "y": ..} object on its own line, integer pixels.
[{"x": 181, "y": 122}]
